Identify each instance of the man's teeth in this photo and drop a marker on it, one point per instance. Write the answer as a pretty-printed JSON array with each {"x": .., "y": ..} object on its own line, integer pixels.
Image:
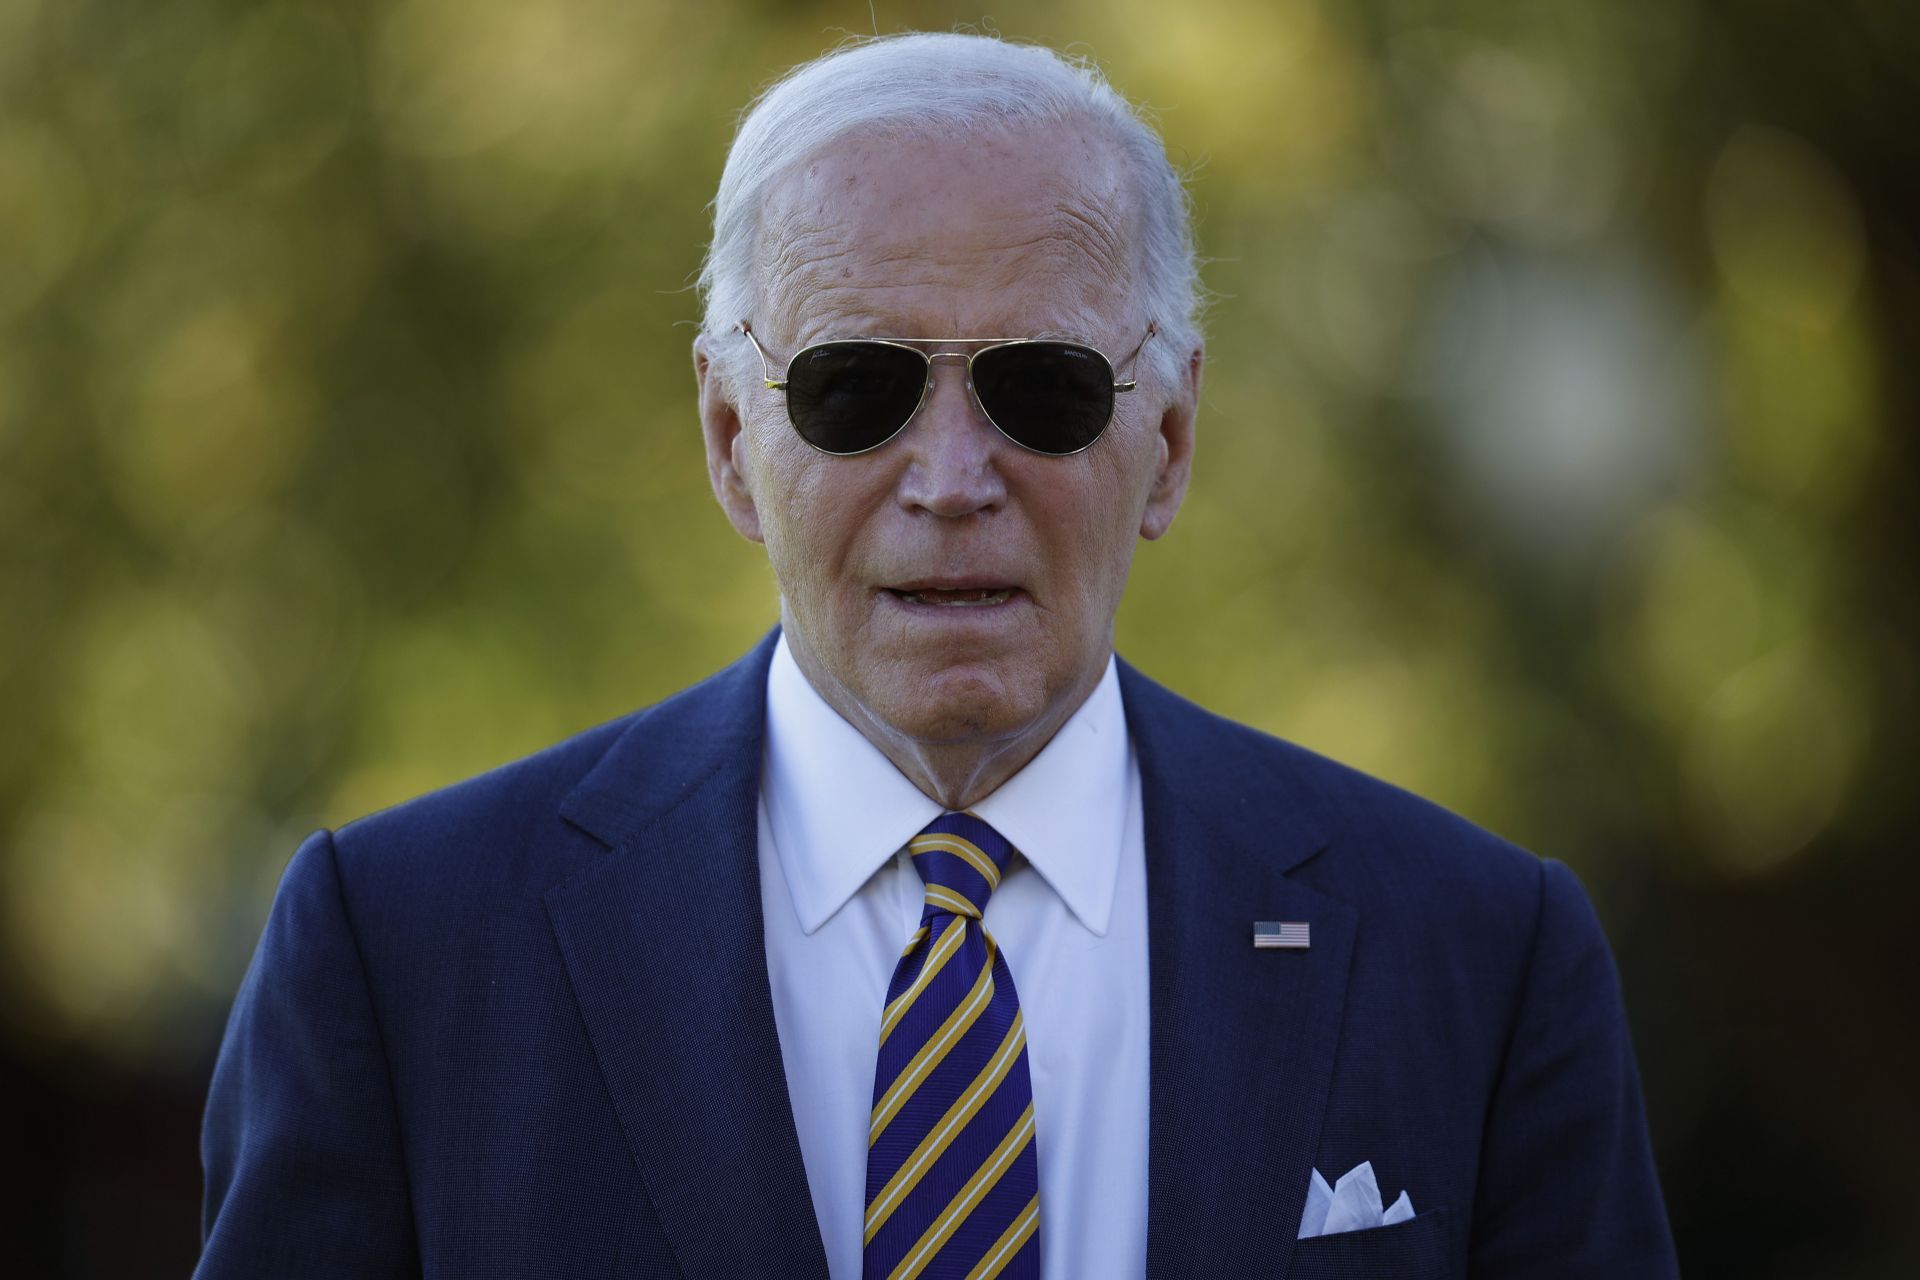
[{"x": 971, "y": 596}]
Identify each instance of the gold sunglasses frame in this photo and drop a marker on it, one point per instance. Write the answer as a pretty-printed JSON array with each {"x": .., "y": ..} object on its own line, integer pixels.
[{"x": 926, "y": 384}]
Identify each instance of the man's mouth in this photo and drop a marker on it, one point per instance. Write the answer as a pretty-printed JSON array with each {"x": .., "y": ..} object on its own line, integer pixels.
[{"x": 954, "y": 597}]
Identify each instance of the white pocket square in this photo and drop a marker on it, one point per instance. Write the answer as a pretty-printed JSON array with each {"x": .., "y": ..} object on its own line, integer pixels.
[{"x": 1351, "y": 1204}]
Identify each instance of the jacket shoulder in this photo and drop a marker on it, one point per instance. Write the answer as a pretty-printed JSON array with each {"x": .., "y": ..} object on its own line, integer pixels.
[
  {"x": 1374, "y": 832},
  {"x": 1380, "y": 821},
  {"x": 528, "y": 823},
  {"x": 503, "y": 797}
]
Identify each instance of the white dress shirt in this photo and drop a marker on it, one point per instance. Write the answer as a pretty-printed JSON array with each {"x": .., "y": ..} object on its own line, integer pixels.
[{"x": 840, "y": 898}]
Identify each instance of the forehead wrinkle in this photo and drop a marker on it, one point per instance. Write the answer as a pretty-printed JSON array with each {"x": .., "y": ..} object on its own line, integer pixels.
[{"x": 1092, "y": 231}]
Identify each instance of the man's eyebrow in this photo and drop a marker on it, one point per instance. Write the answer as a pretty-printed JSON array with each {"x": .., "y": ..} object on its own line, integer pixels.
[{"x": 869, "y": 329}]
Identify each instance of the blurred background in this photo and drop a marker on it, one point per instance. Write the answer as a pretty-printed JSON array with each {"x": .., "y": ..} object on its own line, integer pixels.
[{"x": 1556, "y": 462}]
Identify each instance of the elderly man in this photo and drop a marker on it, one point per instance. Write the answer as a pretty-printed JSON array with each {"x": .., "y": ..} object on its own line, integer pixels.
[{"x": 928, "y": 939}]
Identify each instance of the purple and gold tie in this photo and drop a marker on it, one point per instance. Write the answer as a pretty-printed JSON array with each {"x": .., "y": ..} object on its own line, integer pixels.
[{"x": 953, "y": 1186}]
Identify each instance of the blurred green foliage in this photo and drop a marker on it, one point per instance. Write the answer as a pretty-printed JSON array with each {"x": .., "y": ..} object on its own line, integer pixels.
[{"x": 348, "y": 446}]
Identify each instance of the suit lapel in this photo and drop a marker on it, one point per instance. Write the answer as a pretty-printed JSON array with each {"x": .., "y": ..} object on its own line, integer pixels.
[
  {"x": 663, "y": 946},
  {"x": 1242, "y": 1040}
]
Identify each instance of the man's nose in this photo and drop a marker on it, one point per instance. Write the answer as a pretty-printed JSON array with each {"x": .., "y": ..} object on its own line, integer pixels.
[{"x": 953, "y": 464}]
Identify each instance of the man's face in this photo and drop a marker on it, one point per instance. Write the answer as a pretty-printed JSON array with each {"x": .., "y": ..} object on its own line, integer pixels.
[{"x": 950, "y": 587}]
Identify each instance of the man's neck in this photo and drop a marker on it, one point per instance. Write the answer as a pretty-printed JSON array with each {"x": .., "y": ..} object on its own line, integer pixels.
[{"x": 956, "y": 775}]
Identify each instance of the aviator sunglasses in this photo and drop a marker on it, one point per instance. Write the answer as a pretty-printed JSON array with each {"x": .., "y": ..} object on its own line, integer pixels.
[{"x": 854, "y": 394}]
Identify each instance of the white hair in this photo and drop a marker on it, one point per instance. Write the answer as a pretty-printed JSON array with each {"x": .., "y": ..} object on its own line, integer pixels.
[{"x": 937, "y": 83}]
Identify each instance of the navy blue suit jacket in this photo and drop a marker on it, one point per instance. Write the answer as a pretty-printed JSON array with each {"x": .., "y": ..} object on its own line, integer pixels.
[{"x": 522, "y": 1027}]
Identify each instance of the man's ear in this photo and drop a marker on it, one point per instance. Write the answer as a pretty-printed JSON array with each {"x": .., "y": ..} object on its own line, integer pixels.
[
  {"x": 1174, "y": 466},
  {"x": 726, "y": 446}
]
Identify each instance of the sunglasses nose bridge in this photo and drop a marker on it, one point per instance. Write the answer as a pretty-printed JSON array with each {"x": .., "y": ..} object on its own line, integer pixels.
[
  {"x": 965, "y": 361},
  {"x": 960, "y": 358}
]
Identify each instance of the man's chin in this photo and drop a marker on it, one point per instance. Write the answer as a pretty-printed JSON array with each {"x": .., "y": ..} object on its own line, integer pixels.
[
  {"x": 955, "y": 705},
  {"x": 936, "y": 690}
]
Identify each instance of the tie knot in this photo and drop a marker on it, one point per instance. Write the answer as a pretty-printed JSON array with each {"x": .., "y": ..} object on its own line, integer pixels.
[{"x": 960, "y": 859}]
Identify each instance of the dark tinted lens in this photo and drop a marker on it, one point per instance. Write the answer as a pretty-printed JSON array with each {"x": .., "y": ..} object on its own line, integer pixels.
[
  {"x": 1054, "y": 397},
  {"x": 847, "y": 397}
]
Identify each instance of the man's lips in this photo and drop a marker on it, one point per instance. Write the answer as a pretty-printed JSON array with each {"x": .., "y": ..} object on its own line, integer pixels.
[{"x": 954, "y": 591}]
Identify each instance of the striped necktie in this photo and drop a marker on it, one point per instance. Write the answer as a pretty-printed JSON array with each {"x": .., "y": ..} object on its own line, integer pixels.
[{"x": 953, "y": 1187}]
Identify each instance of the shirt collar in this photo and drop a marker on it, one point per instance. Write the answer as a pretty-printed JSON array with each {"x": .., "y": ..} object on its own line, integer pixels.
[{"x": 839, "y": 809}]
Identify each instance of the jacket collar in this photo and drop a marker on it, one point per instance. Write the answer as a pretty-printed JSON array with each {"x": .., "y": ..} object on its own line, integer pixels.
[{"x": 663, "y": 943}]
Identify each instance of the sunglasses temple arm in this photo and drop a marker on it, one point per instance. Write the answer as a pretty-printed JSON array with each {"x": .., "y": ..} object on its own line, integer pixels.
[
  {"x": 1131, "y": 383},
  {"x": 766, "y": 370}
]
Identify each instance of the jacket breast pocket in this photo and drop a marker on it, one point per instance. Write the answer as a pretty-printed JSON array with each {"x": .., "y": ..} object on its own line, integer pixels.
[{"x": 1412, "y": 1250}]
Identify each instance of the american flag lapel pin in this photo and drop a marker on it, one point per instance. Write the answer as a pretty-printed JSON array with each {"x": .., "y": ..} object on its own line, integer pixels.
[{"x": 1291, "y": 934}]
